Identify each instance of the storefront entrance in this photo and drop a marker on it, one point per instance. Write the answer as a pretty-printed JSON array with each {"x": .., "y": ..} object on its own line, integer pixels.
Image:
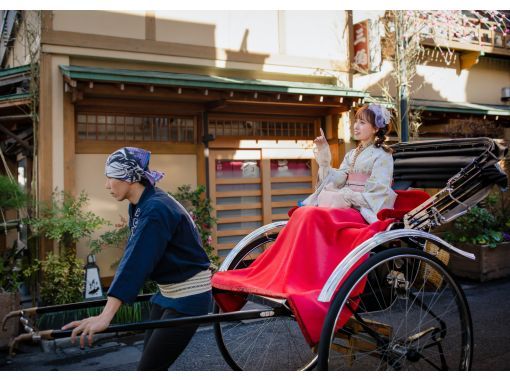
[{"x": 250, "y": 188}]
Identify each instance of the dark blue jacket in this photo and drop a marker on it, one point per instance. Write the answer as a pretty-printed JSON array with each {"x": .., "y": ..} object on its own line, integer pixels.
[{"x": 165, "y": 246}]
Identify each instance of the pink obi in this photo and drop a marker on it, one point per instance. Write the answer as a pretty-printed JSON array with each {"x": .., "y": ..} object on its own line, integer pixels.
[
  {"x": 356, "y": 181},
  {"x": 335, "y": 198}
]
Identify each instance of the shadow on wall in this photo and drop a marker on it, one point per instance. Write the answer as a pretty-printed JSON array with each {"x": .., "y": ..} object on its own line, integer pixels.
[
  {"x": 203, "y": 35},
  {"x": 485, "y": 80},
  {"x": 242, "y": 55},
  {"x": 192, "y": 40},
  {"x": 420, "y": 89}
]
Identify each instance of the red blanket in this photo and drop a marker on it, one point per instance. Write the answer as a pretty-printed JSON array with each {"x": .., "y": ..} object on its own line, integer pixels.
[{"x": 298, "y": 264}]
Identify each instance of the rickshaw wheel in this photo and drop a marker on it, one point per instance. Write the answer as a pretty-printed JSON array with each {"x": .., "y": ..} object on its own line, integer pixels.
[
  {"x": 268, "y": 344},
  {"x": 399, "y": 310}
]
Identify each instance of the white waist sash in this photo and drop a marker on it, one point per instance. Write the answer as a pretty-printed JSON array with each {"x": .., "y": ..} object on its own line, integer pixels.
[{"x": 199, "y": 283}]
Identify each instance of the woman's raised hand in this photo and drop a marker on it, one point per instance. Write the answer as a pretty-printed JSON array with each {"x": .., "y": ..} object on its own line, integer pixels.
[
  {"x": 320, "y": 141},
  {"x": 321, "y": 151}
]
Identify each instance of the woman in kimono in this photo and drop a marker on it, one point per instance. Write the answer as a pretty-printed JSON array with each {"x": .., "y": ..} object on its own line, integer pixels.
[{"x": 364, "y": 179}]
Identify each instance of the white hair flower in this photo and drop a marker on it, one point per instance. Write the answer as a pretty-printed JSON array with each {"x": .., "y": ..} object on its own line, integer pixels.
[{"x": 382, "y": 115}]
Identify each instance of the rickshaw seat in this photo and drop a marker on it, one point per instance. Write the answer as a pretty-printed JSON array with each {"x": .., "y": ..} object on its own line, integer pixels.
[{"x": 406, "y": 201}]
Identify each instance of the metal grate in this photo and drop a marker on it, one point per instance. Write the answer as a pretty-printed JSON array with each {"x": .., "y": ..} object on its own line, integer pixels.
[
  {"x": 125, "y": 127},
  {"x": 262, "y": 128}
]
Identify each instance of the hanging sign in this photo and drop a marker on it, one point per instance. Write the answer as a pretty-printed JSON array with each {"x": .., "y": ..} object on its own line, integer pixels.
[{"x": 361, "y": 45}]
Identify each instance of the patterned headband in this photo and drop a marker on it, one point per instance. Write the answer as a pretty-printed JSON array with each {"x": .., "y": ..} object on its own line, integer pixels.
[
  {"x": 131, "y": 165},
  {"x": 382, "y": 115}
]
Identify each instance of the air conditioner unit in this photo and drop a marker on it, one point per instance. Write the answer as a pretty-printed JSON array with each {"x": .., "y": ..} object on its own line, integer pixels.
[{"x": 505, "y": 94}]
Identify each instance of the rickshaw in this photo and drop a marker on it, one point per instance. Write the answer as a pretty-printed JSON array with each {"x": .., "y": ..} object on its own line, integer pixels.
[{"x": 390, "y": 304}]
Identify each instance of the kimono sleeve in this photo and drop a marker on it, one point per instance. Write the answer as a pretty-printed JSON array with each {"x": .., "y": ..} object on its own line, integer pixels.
[
  {"x": 336, "y": 176},
  {"x": 378, "y": 192}
]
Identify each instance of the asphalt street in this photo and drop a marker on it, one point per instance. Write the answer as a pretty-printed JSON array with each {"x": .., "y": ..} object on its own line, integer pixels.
[{"x": 489, "y": 303}]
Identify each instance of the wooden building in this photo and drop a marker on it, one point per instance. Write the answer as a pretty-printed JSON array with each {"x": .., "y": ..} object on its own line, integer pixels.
[{"x": 228, "y": 99}]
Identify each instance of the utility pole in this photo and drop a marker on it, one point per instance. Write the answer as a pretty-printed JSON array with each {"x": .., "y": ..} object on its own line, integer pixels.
[{"x": 403, "y": 90}]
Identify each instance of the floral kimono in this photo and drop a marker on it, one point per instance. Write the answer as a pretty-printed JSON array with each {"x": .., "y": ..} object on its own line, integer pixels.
[{"x": 363, "y": 181}]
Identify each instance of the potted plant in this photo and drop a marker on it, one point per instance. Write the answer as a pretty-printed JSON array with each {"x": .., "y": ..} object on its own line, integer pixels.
[
  {"x": 485, "y": 232},
  {"x": 11, "y": 275}
]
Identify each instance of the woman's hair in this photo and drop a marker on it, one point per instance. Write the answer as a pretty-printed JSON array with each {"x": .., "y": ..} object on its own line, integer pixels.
[{"x": 364, "y": 113}]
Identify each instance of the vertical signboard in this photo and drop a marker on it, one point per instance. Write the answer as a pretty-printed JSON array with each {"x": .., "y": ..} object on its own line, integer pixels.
[{"x": 361, "y": 43}]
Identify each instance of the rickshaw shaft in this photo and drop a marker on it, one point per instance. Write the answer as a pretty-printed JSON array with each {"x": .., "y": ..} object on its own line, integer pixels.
[{"x": 199, "y": 319}]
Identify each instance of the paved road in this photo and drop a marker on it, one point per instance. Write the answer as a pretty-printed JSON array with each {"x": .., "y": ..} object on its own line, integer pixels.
[
  {"x": 490, "y": 309},
  {"x": 489, "y": 303}
]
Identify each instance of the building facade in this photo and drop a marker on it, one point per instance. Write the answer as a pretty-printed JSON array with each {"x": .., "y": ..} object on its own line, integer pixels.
[{"x": 227, "y": 99}]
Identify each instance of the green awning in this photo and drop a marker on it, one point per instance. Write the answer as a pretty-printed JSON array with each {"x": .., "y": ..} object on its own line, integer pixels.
[
  {"x": 76, "y": 73},
  {"x": 14, "y": 71},
  {"x": 449, "y": 107},
  {"x": 11, "y": 82},
  {"x": 460, "y": 107},
  {"x": 12, "y": 97}
]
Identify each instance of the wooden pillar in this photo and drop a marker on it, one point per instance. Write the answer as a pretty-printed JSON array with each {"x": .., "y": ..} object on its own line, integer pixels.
[
  {"x": 349, "y": 37},
  {"x": 203, "y": 169},
  {"x": 211, "y": 193},
  {"x": 46, "y": 21},
  {"x": 337, "y": 145},
  {"x": 44, "y": 164},
  {"x": 150, "y": 25},
  {"x": 69, "y": 146},
  {"x": 265, "y": 174},
  {"x": 44, "y": 142}
]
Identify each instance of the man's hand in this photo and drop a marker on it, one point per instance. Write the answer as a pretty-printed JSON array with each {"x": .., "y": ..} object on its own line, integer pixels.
[
  {"x": 86, "y": 328},
  {"x": 89, "y": 326}
]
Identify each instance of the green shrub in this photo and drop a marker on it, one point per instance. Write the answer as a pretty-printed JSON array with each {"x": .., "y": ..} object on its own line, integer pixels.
[
  {"x": 113, "y": 238},
  {"x": 65, "y": 221},
  {"x": 63, "y": 278},
  {"x": 485, "y": 224},
  {"x": 200, "y": 209},
  {"x": 12, "y": 197},
  {"x": 11, "y": 274}
]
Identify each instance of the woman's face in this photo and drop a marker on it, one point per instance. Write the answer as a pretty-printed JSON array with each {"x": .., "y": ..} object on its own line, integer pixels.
[{"x": 364, "y": 131}]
